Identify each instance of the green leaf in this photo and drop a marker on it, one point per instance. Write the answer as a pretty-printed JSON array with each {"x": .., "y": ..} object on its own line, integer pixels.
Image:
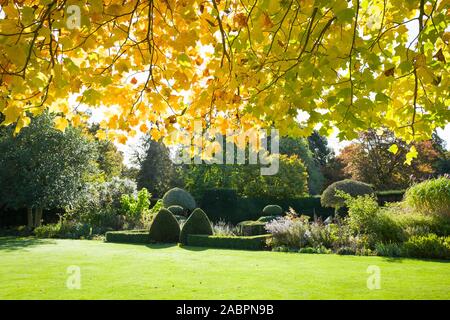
[
  {"x": 184, "y": 60},
  {"x": 346, "y": 15}
]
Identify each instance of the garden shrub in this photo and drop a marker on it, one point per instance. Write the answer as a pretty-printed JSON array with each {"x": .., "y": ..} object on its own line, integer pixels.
[
  {"x": 98, "y": 204},
  {"x": 197, "y": 223},
  {"x": 414, "y": 223},
  {"x": 164, "y": 227},
  {"x": 19, "y": 231},
  {"x": 430, "y": 197},
  {"x": 179, "y": 197},
  {"x": 389, "y": 249},
  {"x": 289, "y": 231},
  {"x": 272, "y": 210},
  {"x": 228, "y": 242},
  {"x": 251, "y": 228},
  {"x": 64, "y": 230},
  {"x": 365, "y": 217},
  {"x": 177, "y": 210},
  {"x": 267, "y": 218},
  {"x": 222, "y": 228},
  {"x": 344, "y": 251},
  {"x": 135, "y": 207},
  {"x": 430, "y": 246},
  {"x": 319, "y": 250},
  {"x": 353, "y": 188},
  {"x": 127, "y": 236},
  {"x": 322, "y": 235}
]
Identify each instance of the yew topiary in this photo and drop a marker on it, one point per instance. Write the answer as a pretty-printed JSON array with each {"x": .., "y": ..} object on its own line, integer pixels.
[
  {"x": 179, "y": 197},
  {"x": 164, "y": 227},
  {"x": 197, "y": 223}
]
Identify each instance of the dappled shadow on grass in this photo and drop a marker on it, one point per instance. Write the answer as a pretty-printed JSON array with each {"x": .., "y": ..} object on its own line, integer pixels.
[{"x": 14, "y": 243}]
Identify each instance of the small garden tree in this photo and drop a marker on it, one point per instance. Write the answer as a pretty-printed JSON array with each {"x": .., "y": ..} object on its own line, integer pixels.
[{"x": 354, "y": 188}]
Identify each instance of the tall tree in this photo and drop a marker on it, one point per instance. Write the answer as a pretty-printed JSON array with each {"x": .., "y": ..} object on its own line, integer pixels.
[
  {"x": 157, "y": 173},
  {"x": 374, "y": 160},
  {"x": 156, "y": 66},
  {"x": 110, "y": 160},
  {"x": 300, "y": 147},
  {"x": 318, "y": 145},
  {"x": 43, "y": 168}
]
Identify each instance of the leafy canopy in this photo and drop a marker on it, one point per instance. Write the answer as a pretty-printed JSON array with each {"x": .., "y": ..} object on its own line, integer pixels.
[{"x": 157, "y": 65}]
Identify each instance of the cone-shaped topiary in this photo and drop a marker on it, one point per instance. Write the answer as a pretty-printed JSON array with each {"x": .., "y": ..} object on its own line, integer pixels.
[
  {"x": 197, "y": 223},
  {"x": 177, "y": 210},
  {"x": 272, "y": 210},
  {"x": 164, "y": 227},
  {"x": 179, "y": 197}
]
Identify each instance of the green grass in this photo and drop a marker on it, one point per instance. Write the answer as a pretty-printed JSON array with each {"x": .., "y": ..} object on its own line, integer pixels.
[{"x": 37, "y": 269}]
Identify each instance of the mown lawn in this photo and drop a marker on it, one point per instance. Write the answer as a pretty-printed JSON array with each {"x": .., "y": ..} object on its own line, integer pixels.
[{"x": 37, "y": 269}]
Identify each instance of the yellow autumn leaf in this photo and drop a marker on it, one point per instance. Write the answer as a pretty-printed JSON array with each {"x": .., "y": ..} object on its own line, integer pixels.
[
  {"x": 21, "y": 123},
  {"x": 412, "y": 154},
  {"x": 393, "y": 149},
  {"x": 61, "y": 123}
]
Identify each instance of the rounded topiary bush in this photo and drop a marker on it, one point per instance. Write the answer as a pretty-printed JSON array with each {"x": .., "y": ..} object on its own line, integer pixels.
[
  {"x": 272, "y": 210},
  {"x": 177, "y": 210},
  {"x": 430, "y": 197},
  {"x": 179, "y": 197},
  {"x": 164, "y": 227},
  {"x": 352, "y": 187},
  {"x": 197, "y": 223}
]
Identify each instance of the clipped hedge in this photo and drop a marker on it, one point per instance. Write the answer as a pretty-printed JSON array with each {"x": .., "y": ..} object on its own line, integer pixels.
[
  {"x": 228, "y": 242},
  {"x": 272, "y": 210},
  {"x": 164, "y": 227},
  {"x": 197, "y": 223},
  {"x": 127, "y": 236},
  {"x": 179, "y": 197},
  {"x": 389, "y": 196},
  {"x": 251, "y": 228},
  {"x": 224, "y": 204}
]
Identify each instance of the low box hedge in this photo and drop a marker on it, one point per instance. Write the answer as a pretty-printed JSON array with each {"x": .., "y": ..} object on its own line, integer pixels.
[
  {"x": 252, "y": 228},
  {"x": 390, "y": 196},
  {"x": 228, "y": 242},
  {"x": 128, "y": 236}
]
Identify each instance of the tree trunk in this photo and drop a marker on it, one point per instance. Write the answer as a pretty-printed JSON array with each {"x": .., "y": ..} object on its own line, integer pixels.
[
  {"x": 38, "y": 217},
  {"x": 30, "y": 218}
]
